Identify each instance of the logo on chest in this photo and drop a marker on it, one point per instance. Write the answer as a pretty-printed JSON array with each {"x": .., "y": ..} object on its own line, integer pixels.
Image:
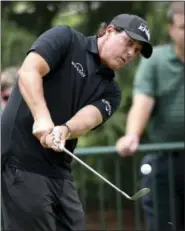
[{"x": 79, "y": 68}]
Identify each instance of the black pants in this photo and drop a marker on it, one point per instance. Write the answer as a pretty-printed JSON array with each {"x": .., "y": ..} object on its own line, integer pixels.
[
  {"x": 164, "y": 205},
  {"x": 32, "y": 202}
]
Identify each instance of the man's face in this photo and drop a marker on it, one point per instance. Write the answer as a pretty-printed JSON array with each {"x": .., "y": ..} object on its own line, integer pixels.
[
  {"x": 4, "y": 96},
  {"x": 176, "y": 30},
  {"x": 119, "y": 49}
]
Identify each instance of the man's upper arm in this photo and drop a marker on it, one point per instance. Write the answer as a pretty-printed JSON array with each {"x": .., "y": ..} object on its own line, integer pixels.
[
  {"x": 109, "y": 103},
  {"x": 145, "y": 78},
  {"x": 52, "y": 45}
]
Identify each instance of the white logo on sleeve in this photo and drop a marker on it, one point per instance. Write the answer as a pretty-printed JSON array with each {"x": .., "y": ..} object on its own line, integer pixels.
[
  {"x": 144, "y": 29},
  {"x": 108, "y": 107},
  {"x": 79, "y": 68}
]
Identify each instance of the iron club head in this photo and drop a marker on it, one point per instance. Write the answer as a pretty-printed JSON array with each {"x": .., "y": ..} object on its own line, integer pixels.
[{"x": 140, "y": 194}]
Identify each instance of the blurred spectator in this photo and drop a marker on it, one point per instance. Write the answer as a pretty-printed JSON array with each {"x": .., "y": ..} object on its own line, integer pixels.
[
  {"x": 159, "y": 95},
  {"x": 8, "y": 78}
]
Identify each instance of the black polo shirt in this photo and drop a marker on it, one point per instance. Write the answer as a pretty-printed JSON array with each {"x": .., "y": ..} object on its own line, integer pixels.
[{"x": 76, "y": 79}]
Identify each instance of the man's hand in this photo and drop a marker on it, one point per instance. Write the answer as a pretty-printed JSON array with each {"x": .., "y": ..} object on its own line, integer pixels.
[
  {"x": 127, "y": 145},
  {"x": 42, "y": 128},
  {"x": 57, "y": 137}
]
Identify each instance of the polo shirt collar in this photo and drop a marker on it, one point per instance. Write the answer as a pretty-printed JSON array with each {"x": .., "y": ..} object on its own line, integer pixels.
[{"x": 92, "y": 44}]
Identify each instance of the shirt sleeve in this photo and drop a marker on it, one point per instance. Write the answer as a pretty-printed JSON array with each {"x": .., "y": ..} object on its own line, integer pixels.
[
  {"x": 110, "y": 102},
  {"x": 53, "y": 45},
  {"x": 145, "y": 78}
]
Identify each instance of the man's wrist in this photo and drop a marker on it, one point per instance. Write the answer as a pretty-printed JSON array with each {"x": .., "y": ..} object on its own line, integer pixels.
[
  {"x": 68, "y": 129},
  {"x": 133, "y": 136},
  {"x": 42, "y": 116},
  {"x": 42, "y": 112}
]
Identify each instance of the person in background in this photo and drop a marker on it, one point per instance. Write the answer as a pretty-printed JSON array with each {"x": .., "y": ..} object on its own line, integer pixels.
[
  {"x": 158, "y": 97},
  {"x": 8, "y": 78}
]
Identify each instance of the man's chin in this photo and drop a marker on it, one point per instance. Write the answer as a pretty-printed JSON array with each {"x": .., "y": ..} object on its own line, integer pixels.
[
  {"x": 119, "y": 67},
  {"x": 116, "y": 66}
]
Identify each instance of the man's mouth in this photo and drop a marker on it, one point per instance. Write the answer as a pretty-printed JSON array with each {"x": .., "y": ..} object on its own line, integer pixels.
[{"x": 123, "y": 60}]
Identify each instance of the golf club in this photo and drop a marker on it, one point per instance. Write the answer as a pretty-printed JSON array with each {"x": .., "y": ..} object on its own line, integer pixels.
[{"x": 136, "y": 196}]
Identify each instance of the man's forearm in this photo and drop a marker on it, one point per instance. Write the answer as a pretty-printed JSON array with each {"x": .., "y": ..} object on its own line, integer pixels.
[
  {"x": 85, "y": 120},
  {"x": 139, "y": 114},
  {"x": 31, "y": 88},
  {"x": 137, "y": 120}
]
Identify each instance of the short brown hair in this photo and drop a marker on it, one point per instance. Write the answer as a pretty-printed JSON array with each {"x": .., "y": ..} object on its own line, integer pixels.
[
  {"x": 102, "y": 29},
  {"x": 175, "y": 8},
  {"x": 8, "y": 77}
]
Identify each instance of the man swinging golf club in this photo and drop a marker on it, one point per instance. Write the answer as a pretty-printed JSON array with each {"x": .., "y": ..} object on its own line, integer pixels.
[{"x": 65, "y": 87}]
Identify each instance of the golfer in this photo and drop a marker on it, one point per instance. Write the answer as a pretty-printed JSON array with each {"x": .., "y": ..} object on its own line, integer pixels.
[{"x": 65, "y": 84}]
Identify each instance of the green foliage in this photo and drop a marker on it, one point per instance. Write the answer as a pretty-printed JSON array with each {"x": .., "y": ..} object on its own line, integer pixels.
[
  {"x": 159, "y": 25},
  {"x": 14, "y": 44},
  {"x": 73, "y": 20}
]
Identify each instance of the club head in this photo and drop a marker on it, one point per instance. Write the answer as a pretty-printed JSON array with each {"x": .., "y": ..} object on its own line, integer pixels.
[{"x": 140, "y": 194}]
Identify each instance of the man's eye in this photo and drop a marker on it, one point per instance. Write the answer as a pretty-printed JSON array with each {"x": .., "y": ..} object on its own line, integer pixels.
[
  {"x": 138, "y": 51},
  {"x": 130, "y": 43}
]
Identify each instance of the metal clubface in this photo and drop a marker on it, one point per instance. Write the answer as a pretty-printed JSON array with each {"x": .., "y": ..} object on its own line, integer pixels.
[{"x": 140, "y": 194}]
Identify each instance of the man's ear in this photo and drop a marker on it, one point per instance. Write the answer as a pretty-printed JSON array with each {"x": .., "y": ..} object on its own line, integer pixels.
[
  {"x": 110, "y": 28},
  {"x": 170, "y": 30}
]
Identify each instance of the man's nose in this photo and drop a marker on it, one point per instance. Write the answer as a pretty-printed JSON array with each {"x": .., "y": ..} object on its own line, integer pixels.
[{"x": 131, "y": 52}]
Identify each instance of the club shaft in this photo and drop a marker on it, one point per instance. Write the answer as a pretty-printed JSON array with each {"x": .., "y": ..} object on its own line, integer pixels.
[{"x": 95, "y": 172}]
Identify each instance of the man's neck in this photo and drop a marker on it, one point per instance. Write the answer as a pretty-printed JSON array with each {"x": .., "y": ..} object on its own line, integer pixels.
[{"x": 180, "y": 53}]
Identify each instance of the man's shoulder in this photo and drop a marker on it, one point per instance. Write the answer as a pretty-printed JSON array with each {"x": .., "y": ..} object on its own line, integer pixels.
[
  {"x": 160, "y": 50},
  {"x": 159, "y": 55},
  {"x": 77, "y": 32},
  {"x": 77, "y": 36},
  {"x": 68, "y": 29}
]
